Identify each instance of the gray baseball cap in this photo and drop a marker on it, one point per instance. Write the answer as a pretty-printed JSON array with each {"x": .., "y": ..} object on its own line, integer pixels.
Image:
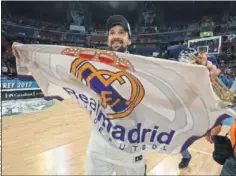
[{"x": 118, "y": 20}]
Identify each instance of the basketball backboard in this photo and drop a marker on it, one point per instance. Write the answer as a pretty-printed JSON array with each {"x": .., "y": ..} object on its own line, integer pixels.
[
  {"x": 202, "y": 49},
  {"x": 211, "y": 44}
]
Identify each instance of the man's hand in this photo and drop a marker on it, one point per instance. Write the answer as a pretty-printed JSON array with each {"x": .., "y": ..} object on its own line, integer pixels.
[
  {"x": 214, "y": 72},
  {"x": 209, "y": 138},
  {"x": 215, "y": 131},
  {"x": 14, "y": 50}
]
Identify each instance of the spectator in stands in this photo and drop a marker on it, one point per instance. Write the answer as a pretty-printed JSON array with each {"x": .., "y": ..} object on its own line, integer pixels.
[
  {"x": 213, "y": 60},
  {"x": 231, "y": 79},
  {"x": 12, "y": 66},
  {"x": 224, "y": 79},
  {"x": 233, "y": 87},
  {"x": 4, "y": 70},
  {"x": 227, "y": 78}
]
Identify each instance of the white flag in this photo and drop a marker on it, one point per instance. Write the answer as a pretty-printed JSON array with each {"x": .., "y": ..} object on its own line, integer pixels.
[{"x": 136, "y": 103}]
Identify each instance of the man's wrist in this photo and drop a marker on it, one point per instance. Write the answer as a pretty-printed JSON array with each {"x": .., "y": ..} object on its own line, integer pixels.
[{"x": 208, "y": 133}]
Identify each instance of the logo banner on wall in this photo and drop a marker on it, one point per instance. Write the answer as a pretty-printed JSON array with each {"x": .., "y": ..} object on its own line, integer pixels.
[
  {"x": 135, "y": 103},
  {"x": 18, "y": 84},
  {"x": 21, "y": 94}
]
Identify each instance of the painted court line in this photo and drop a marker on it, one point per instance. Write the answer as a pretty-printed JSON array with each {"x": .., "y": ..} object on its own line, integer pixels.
[
  {"x": 151, "y": 171},
  {"x": 199, "y": 151}
]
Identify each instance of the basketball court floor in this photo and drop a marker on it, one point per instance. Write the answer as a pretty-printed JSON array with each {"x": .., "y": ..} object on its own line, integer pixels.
[{"x": 53, "y": 142}]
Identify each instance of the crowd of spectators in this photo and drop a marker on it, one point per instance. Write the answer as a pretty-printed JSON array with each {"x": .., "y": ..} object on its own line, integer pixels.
[
  {"x": 8, "y": 62},
  {"x": 27, "y": 22},
  {"x": 221, "y": 24},
  {"x": 226, "y": 62},
  {"x": 26, "y": 30}
]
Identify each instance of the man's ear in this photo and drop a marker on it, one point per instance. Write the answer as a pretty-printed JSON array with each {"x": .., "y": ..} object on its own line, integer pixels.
[
  {"x": 129, "y": 42},
  {"x": 107, "y": 42}
]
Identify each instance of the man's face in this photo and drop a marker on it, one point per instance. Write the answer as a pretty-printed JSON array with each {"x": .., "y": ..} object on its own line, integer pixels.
[{"x": 118, "y": 39}]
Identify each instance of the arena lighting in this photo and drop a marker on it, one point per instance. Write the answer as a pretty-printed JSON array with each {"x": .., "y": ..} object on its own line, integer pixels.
[
  {"x": 129, "y": 5},
  {"x": 114, "y": 4}
]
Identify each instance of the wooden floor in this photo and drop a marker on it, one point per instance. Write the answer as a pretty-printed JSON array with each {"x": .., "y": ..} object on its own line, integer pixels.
[{"x": 54, "y": 141}]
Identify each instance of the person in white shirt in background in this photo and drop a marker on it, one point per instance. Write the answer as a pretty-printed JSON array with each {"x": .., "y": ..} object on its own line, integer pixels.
[{"x": 233, "y": 88}]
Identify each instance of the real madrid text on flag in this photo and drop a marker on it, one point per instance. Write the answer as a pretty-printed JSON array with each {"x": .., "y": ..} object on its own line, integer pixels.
[{"x": 136, "y": 103}]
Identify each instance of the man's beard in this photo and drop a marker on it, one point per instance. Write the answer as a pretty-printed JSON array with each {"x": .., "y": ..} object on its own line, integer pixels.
[{"x": 121, "y": 49}]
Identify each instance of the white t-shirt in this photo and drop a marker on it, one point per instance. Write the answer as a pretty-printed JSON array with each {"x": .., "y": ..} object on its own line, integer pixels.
[
  {"x": 4, "y": 69},
  {"x": 101, "y": 149}
]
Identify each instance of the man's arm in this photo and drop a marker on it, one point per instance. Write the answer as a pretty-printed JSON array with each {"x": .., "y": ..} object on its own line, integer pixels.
[{"x": 215, "y": 131}]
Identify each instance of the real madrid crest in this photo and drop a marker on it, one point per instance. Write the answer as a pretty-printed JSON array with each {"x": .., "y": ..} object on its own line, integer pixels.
[
  {"x": 102, "y": 56},
  {"x": 106, "y": 74}
]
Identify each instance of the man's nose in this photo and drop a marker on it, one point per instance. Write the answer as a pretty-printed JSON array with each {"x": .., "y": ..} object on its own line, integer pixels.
[{"x": 116, "y": 36}]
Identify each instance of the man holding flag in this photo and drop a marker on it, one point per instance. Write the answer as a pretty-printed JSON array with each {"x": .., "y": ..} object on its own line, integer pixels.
[
  {"x": 104, "y": 158},
  {"x": 122, "y": 163},
  {"x": 119, "y": 38}
]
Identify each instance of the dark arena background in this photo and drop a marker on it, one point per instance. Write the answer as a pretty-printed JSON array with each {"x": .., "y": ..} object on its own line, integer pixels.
[{"x": 159, "y": 29}]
